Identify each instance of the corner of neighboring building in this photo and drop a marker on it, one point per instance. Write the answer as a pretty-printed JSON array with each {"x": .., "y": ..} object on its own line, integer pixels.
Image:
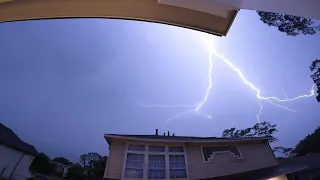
[{"x": 115, "y": 161}]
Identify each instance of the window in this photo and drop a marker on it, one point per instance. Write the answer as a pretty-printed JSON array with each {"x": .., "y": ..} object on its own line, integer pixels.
[
  {"x": 177, "y": 166},
  {"x": 157, "y": 167},
  {"x": 134, "y": 165},
  {"x": 176, "y": 149},
  {"x": 132, "y": 147},
  {"x": 156, "y": 148},
  {"x": 211, "y": 151},
  {"x": 149, "y": 162}
]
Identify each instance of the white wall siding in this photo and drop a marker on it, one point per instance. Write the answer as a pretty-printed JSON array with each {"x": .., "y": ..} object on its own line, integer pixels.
[{"x": 10, "y": 158}]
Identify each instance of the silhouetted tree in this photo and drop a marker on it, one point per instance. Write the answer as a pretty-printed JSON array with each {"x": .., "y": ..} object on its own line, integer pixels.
[
  {"x": 76, "y": 172},
  {"x": 310, "y": 144},
  {"x": 84, "y": 160},
  {"x": 315, "y": 68},
  {"x": 41, "y": 164},
  {"x": 62, "y": 160},
  {"x": 262, "y": 129},
  {"x": 93, "y": 163},
  {"x": 293, "y": 26}
]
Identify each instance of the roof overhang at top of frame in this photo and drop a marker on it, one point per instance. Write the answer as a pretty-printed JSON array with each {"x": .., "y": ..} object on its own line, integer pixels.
[{"x": 202, "y": 15}]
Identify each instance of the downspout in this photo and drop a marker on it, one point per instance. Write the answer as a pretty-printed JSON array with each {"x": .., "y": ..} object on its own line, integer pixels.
[{"x": 15, "y": 167}]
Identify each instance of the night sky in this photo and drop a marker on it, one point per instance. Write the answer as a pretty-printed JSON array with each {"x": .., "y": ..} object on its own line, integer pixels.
[{"x": 64, "y": 83}]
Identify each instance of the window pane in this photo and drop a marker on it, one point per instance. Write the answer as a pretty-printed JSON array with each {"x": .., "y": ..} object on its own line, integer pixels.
[
  {"x": 176, "y": 149},
  {"x": 156, "y": 148},
  {"x": 131, "y": 156},
  {"x": 133, "y": 173},
  {"x": 135, "y": 164},
  {"x": 181, "y": 173},
  {"x": 135, "y": 161},
  {"x": 134, "y": 147},
  {"x": 153, "y": 157},
  {"x": 156, "y": 161},
  {"x": 156, "y": 174}
]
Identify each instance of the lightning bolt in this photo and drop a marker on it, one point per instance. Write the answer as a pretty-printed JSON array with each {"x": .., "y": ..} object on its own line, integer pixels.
[{"x": 196, "y": 108}]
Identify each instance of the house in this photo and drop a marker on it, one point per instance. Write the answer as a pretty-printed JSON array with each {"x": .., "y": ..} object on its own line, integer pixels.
[
  {"x": 15, "y": 155},
  {"x": 180, "y": 157},
  {"x": 312, "y": 170},
  {"x": 210, "y": 17}
]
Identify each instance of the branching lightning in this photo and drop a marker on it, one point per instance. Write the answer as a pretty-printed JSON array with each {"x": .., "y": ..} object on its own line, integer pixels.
[{"x": 196, "y": 108}]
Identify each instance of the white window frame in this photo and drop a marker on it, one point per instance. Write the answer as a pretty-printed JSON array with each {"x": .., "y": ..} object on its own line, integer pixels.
[
  {"x": 146, "y": 153},
  {"x": 232, "y": 154}
]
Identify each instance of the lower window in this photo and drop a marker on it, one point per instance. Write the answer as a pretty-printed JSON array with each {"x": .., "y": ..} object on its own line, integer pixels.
[
  {"x": 177, "y": 166},
  {"x": 134, "y": 166},
  {"x": 157, "y": 167}
]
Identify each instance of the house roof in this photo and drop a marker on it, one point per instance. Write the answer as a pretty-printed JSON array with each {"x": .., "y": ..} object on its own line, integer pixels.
[
  {"x": 312, "y": 161},
  {"x": 9, "y": 138},
  {"x": 207, "y": 16},
  {"x": 181, "y": 139},
  {"x": 262, "y": 174}
]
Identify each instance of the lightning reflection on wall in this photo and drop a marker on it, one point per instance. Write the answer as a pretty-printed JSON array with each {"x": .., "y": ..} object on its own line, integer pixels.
[{"x": 196, "y": 108}]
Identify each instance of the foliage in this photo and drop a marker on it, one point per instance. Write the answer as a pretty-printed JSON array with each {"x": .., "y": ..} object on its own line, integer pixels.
[
  {"x": 62, "y": 160},
  {"x": 98, "y": 167},
  {"x": 262, "y": 129},
  {"x": 310, "y": 144},
  {"x": 315, "y": 68},
  {"x": 287, "y": 152},
  {"x": 291, "y": 25},
  {"x": 76, "y": 172},
  {"x": 42, "y": 164},
  {"x": 93, "y": 163}
]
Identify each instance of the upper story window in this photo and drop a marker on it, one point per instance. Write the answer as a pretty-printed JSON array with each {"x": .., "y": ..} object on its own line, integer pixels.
[
  {"x": 135, "y": 147},
  {"x": 155, "y": 162},
  {"x": 157, "y": 148},
  {"x": 176, "y": 149},
  {"x": 208, "y": 152}
]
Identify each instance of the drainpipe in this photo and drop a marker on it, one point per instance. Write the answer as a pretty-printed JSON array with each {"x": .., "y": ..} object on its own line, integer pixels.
[{"x": 15, "y": 167}]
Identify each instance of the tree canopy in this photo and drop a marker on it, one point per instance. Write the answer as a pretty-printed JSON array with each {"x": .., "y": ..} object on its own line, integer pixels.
[
  {"x": 306, "y": 146},
  {"x": 293, "y": 26},
  {"x": 91, "y": 164},
  {"x": 310, "y": 144},
  {"x": 42, "y": 164}
]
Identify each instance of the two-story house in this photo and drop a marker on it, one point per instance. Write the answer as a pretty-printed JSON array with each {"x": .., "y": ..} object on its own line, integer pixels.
[{"x": 179, "y": 157}]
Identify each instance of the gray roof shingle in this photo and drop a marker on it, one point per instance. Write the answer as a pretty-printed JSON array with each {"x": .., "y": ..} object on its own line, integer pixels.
[
  {"x": 184, "y": 138},
  {"x": 312, "y": 161},
  {"x": 9, "y": 138}
]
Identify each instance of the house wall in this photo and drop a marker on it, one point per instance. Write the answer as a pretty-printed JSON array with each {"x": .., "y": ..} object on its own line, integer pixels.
[
  {"x": 10, "y": 158},
  {"x": 115, "y": 161},
  {"x": 254, "y": 156}
]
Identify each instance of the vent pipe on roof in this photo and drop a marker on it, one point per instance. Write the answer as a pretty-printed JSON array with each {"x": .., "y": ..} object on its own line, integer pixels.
[
  {"x": 156, "y": 132},
  {"x": 173, "y": 134},
  {"x": 168, "y": 133},
  {"x": 164, "y": 134}
]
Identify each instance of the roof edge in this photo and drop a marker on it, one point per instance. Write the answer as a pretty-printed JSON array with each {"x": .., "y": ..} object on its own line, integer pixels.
[{"x": 115, "y": 136}]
